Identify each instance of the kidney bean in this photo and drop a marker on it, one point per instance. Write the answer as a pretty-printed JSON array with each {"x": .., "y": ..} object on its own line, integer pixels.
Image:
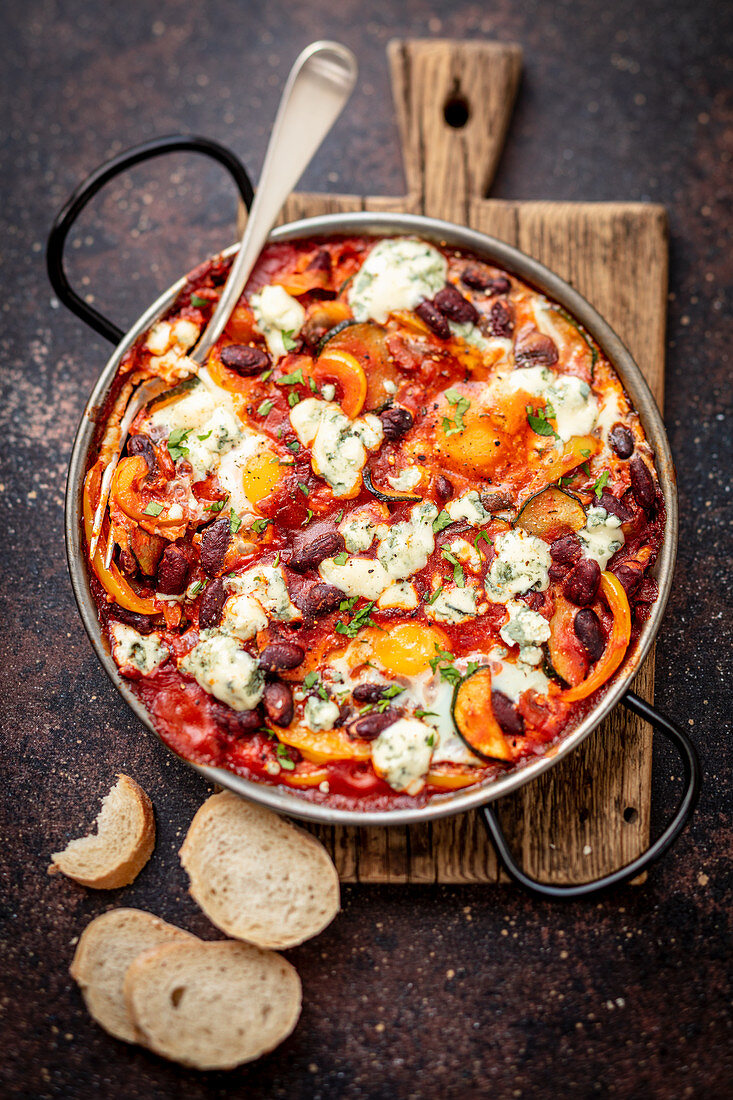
[
  {"x": 211, "y": 604},
  {"x": 558, "y": 570},
  {"x": 477, "y": 279},
  {"x": 621, "y": 441},
  {"x": 536, "y": 350},
  {"x": 501, "y": 318},
  {"x": 144, "y": 624},
  {"x": 281, "y": 655},
  {"x": 581, "y": 583},
  {"x": 312, "y": 546},
  {"x": 278, "y": 703},
  {"x": 454, "y": 306},
  {"x": 321, "y": 261},
  {"x": 630, "y": 573},
  {"x": 642, "y": 483},
  {"x": 396, "y": 421},
  {"x": 368, "y": 693},
  {"x": 214, "y": 545},
  {"x": 566, "y": 550},
  {"x": 346, "y": 713},
  {"x": 321, "y": 599},
  {"x": 141, "y": 445},
  {"x": 237, "y": 723},
  {"x": 371, "y": 725},
  {"x": 173, "y": 570},
  {"x": 614, "y": 507},
  {"x": 244, "y": 360},
  {"x": 507, "y": 714},
  {"x": 589, "y": 633},
  {"x": 434, "y": 319},
  {"x": 444, "y": 488}
]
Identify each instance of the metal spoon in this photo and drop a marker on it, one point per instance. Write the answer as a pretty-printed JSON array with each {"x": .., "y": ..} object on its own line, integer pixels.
[{"x": 319, "y": 84}]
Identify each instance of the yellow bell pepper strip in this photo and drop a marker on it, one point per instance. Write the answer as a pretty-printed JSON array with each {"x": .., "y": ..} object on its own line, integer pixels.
[
  {"x": 115, "y": 585},
  {"x": 310, "y": 776},
  {"x": 452, "y": 777},
  {"x": 618, "y": 642},
  {"x": 346, "y": 371},
  {"x": 324, "y": 745}
]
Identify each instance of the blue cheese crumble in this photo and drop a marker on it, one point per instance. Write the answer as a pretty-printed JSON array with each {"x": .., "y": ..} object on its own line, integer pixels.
[{"x": 397, "y": 274}]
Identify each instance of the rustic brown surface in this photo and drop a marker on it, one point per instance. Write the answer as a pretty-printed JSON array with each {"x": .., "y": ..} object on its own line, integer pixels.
[
  {"x": 615, "y": 254},
  {"x": 413, "y": 991}
]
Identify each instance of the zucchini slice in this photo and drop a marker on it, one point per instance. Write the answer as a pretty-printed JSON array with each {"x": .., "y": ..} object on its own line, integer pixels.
[
  {"x": 334, "y": 332},
  {"x": 387, "y": 498},
  {"x": 551, "y": 513},
  {"x": 474, "y": 718}
]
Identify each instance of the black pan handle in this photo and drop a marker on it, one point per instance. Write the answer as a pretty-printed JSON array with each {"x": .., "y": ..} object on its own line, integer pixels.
[
  {"x": 174, "y": 143},
  {"x": 691, "y": 765}
]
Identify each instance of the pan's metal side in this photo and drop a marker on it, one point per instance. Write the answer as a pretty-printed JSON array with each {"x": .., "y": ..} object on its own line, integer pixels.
[{"x": 279, "y": 798}]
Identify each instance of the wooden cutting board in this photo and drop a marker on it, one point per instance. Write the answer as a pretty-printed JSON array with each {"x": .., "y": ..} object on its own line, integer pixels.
[{"x": 590, "y": 813}]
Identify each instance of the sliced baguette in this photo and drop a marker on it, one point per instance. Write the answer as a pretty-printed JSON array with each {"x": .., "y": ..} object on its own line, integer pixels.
[
  {"x": 105, "y": 950},
  {"x": 115, "y": 854},
  {"x": 257, "y": 876},
  {"x": 212, "y": 1005}
]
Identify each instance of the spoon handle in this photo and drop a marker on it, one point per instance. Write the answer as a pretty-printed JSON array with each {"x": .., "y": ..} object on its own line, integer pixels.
[{"x": 320, "y": 83}]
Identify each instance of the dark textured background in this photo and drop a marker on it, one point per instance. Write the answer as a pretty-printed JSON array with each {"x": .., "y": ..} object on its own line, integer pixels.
[{"x": 412, "y": 992}]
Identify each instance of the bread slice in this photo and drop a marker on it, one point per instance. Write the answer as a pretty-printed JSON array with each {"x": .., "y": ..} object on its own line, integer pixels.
[
  {"x": 121, "y": 846},
  {"x": 212, "y": 1005},
  {"x": 257, "y": 876},
  {"x": 105, "y": 950}
]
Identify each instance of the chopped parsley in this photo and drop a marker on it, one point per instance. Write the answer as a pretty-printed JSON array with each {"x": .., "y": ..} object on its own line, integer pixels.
[
  {"x": 259, "y": 526},
  {"x": 206, "y": 436},
  {"x": 199, "y": 302},
  {"x": 310, "y": 680},
  {"x": 430, "y": 740},
  {"x": 308, "y": 516},
  {"x": 293, "y": 399},
  {"x": 461, "y": 405},
  {"x": 420, "y": 713},
  {"x": 601, "y": 484},
  {"x": 153, "y": 508},
  {"x": 538, "y": 421},
  {"x": 435, "y": 594},
  {"x": 215, "y": 506},
  {"x": 443, "y": 663},
  {"x": 292, "y": 379},
  {"x": 442, "y": 521},
  {"x": 234, "y": 521},
  {"x": 265, "y": 408},
  {"x": 389, "y": 693},
  {"x": 303, "y": 488},
  {"x": 312, "y": 384},
  {"x": 293, "y": 446},
  {"x": 289, "y": 343},
  {"x": 339, "y": 517},
  {"x": 177, "y": 443},
  {"x": 481, "y": 535},
  {"x": 341, "y": 559},
  {"x": 361, "y": 618},
  {"x": 283, "y": 756},
  {"x": 194, "y": 589},
  {"x": 459, "y": 577}
]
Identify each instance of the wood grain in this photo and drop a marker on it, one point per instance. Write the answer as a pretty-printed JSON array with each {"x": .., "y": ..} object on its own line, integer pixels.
[{"x": 590, "y": 813}]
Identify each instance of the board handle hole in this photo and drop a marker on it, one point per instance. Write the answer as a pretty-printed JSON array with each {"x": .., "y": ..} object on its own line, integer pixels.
[
  {"x": 630, "y": 815},
  {"x": 456, "y": 111}
]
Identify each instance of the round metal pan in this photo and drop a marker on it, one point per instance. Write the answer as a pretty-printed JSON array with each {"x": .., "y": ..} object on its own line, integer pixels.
[{"x": 285, "y": 800}]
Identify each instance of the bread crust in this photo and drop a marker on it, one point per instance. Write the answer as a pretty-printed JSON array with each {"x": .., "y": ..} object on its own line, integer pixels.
[
  {"x": 106, "y": 947},
  {"x": 126, "y": 855},
  {"x": 256, "y": 875},
  {"x": 212, "y": 1005}
]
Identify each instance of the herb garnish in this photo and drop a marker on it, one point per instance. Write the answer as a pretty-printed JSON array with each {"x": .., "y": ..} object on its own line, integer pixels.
[
  {"x": 360, "y": 619},
  {"x": 481, "y": 535},
  {"x": 600, "y": 484},
  {"x": 199, "y": 302},
  {"x": 341, "y": 559},
  {"x": 283, "y": 756},
  {"x": 461, "y": 405},
  {"x": 153, "y": 508},
  {"x": 442, "y": 521},
  {"x": 177, "y": 443},
  {"x": 259, "y": 526},
  {"x": 538, "y": 421},
  {"x": 459, "y": 577},
  {"x": 303, "y": 488},
  {"x": 234, "y": 521},
  {"x": 292, "y": 379},
  {"x": 265, "y": 408},
  {"x": 289, "y": 343},
  {"x": 435, "y": 594},
  {"x": 215, "y": 506}
]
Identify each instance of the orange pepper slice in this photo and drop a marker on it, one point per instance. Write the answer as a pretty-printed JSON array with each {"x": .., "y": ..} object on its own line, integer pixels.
[
  {"x": 452, "y": 780},
  {"x": 125, "y": 493},
  {"x": 311, "y": 777},
  {"x": 347, "y": 372},
  {"x": 618, "y": 642},
  {"x": 111, "y": 579}
]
